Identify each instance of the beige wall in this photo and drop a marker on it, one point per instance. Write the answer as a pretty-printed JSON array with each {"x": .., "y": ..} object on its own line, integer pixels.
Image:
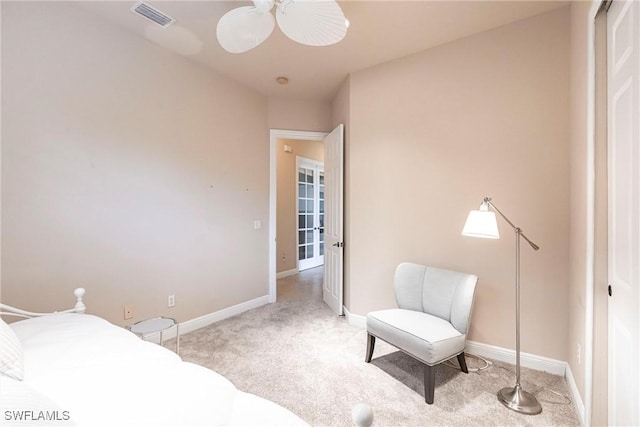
[
  {"x": 287, "y": 213},
  {"x": 127, "y": 170},
  {"x": 431, "y": 135},
  {"x": 292, "y": 114}
]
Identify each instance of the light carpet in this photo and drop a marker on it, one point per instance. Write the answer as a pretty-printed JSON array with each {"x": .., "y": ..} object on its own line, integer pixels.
[{"x": 297, "y": 353}]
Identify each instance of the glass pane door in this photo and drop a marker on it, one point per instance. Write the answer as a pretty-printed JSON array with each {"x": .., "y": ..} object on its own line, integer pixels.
[
  {"x": 321, "y": 213},
  {"x": 310, "y": 214}
]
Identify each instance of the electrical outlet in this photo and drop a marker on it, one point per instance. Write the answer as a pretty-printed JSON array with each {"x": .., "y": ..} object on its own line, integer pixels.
[
  {"x": 578, "y": 352},
  {"x": 128, "y": 312},
  {"x": 171, "y": 301}
]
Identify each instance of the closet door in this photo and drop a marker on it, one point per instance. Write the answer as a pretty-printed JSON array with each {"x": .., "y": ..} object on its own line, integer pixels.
[{"x": 623, "y": 71}]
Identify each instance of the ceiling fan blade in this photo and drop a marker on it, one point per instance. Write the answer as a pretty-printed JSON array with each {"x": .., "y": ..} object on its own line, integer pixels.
[
  {"x": 244, "y": 28},
  {"x": 312, "y": 22}
]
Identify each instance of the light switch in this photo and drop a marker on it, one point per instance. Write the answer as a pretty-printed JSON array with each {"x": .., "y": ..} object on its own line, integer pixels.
[{"x": 257, "y": 224}]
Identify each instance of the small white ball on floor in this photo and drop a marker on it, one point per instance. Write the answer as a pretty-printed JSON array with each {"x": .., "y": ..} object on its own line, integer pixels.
[{"x": 362, "y": 415}]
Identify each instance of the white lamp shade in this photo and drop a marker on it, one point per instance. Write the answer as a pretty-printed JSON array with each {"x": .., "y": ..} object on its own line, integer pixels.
[{"x": 481, "y": 223}]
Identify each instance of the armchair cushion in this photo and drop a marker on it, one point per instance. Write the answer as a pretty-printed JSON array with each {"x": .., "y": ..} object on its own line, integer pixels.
[
  {"x": 424, "y": 336},
  {"x": 443, "y": 293}
]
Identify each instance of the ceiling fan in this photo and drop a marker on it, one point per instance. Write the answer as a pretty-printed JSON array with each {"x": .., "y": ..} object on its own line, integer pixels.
[{"x": 310, "y": 22}]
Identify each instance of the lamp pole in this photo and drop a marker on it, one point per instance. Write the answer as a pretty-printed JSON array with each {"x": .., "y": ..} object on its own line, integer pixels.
[
  {"x": 516, "y": 398},
  {"x": 518, "y": 231}
]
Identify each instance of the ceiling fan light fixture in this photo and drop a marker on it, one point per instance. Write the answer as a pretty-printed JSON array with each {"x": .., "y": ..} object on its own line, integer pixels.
[
  {"x": 243, "y": 28},
  {"x": 263, "y": 6},
  {"x": 308, "y": 22}
]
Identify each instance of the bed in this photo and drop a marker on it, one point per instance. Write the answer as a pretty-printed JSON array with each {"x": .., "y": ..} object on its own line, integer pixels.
[{"x": 80, "y": 370}]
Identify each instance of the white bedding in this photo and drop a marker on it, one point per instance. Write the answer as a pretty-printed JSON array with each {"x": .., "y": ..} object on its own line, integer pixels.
[{"x": 103, "y": 375}]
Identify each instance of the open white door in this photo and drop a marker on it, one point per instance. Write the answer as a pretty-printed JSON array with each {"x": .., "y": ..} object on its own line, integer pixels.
[
  {"x": 623, "y": 69},
  {"x": 332, "y": 291}
]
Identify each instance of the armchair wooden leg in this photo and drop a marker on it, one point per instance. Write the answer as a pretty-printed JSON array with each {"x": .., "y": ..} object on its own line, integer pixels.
[
  {"x": 429, "y": 383},
  {"x": 371, "y": 342},
  {"x": 463, "y": 363}
]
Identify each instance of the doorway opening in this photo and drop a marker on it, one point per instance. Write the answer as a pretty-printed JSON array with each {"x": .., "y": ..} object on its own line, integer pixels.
[
  {"x": 289, "y": 259},
  {"x": 329, "y": 230}
]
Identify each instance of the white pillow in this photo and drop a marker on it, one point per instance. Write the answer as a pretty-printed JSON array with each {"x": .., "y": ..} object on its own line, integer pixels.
[{"x": 11, "y": 357}]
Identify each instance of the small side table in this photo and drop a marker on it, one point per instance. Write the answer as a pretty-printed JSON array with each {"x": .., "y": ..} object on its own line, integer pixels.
[{"x": 154, "y": 325}]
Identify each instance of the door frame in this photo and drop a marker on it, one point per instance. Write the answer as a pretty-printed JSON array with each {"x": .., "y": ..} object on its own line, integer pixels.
[
  {"x": 274, "y": 135},
  {"x": 597, "y": 8},
  {"x": 590, "y": 258}
]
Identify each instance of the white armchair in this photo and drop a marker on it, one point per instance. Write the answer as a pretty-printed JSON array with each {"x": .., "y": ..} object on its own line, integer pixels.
[{"x": 432, "y": 320}]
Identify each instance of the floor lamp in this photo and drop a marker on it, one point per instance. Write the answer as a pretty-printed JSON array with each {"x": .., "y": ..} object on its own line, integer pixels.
[{"x": 482, "y": 223}]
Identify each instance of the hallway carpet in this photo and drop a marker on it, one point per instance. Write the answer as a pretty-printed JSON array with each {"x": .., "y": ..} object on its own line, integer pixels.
[{"x": 297, "y": 353}]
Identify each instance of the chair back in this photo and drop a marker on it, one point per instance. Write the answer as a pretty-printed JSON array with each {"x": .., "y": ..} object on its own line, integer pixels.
[{"x": 443, "y": 293}]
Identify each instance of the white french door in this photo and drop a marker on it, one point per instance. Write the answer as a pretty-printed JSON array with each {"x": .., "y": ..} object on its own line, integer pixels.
[
  {"x": 623, "y": 71},
  {"x": 310, "y": 203}
]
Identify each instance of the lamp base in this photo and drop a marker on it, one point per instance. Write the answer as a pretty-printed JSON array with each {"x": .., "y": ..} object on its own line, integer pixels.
[{"x": 519, "y": 400}]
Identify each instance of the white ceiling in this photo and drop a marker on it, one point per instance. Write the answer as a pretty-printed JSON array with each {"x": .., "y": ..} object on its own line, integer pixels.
[{"x": 380, "y": 31}]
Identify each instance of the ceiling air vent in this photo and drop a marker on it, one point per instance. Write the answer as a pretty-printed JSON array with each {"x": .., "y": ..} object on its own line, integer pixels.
[{"x": 152, "y": 14}]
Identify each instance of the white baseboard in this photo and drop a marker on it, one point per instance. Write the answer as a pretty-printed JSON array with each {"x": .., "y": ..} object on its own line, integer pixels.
[
  {"x": 575, "y": 395},
  {"x": 208, "y": 319},
  {"x": 355, "y": 319},
  {"x": 286, "y": 273},
  {"x": 528, "y": 360}
]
